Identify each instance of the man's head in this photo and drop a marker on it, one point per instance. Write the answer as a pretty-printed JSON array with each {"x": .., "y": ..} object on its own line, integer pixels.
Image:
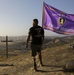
[{"x": 35, "y": 22}]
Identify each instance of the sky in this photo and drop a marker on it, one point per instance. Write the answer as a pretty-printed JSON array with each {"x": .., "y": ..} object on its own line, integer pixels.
[{"x": 16, "y": 15}]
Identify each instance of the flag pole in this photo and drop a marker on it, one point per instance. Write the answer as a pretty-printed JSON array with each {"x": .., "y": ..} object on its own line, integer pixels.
[{"x": 42, "y": 12}]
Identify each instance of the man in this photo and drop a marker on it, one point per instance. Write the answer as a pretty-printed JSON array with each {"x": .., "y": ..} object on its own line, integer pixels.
[{"x": 37, "y": 34}]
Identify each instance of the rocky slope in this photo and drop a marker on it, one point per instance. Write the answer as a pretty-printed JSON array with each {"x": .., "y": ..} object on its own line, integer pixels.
[{"x": 54, "y": 59}]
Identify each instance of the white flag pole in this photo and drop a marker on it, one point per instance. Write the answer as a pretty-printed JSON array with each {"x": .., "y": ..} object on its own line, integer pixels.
[{"x": 42, "y": 10}]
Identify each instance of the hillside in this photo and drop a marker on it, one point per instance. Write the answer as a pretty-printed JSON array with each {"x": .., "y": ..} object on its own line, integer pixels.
[{"x": 54, "y": 58}]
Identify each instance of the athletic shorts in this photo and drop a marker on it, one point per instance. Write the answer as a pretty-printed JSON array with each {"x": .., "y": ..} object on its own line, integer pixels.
[{"x": 35, "y": 49}]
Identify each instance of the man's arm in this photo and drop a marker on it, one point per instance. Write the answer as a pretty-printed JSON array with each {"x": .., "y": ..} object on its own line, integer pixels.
[
  {"x": 28, "y": 39},
  {"x": 43, "y": 35},
  {"x": 43, "y": 38}
]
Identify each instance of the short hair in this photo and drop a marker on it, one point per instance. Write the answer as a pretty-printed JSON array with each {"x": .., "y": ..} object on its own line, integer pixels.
[{"x": 35, "y": 20}]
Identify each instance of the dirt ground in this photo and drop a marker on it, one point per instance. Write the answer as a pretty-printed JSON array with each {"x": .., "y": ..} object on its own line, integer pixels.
[{"x": 53, "y": 59}]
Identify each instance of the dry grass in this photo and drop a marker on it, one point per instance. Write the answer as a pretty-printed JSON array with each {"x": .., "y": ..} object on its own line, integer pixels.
[{"x": 53, "y": 58}]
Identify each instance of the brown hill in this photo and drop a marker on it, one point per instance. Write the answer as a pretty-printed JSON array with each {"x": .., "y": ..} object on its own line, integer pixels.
[{"x": 54, "y": 59}]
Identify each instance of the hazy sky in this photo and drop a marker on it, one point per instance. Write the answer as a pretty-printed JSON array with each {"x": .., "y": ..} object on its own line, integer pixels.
[{"x": 16, "y": 15}]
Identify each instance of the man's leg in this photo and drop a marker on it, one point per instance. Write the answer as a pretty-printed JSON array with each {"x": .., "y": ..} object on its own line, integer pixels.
[
  {"x": 35, "y": 66},
  {"x": 40, "y": 58},
  {"x": 40, "y": 55},
  {"x": 33, "y": 55}
]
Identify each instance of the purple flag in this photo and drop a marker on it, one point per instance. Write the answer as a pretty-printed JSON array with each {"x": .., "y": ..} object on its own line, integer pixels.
[{"x": 57, "y": 21}]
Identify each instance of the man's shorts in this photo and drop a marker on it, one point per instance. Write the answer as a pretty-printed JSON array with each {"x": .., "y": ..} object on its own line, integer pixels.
[{"x": 35, "y": 49}]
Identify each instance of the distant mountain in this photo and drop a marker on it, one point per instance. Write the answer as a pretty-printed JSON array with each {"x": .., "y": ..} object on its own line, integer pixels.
[{"x": 14, "y": 38}]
